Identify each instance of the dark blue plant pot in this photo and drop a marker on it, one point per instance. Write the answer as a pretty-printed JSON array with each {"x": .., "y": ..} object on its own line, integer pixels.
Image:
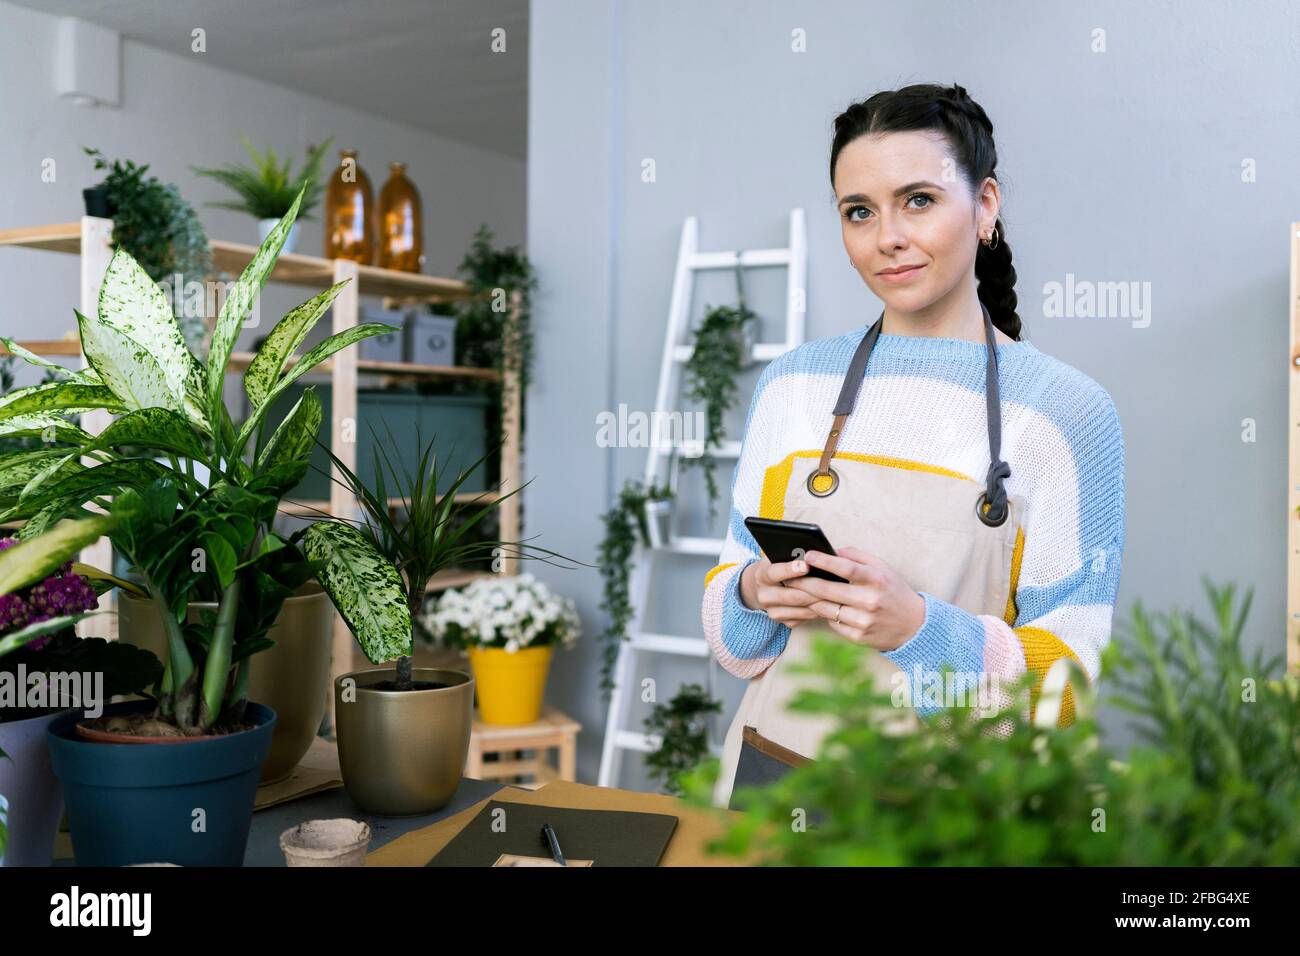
[{"x": 141, "y": 803}]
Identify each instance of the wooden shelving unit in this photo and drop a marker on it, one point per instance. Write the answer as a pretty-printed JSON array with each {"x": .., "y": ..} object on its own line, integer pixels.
[{"x": 90, "y": 240}]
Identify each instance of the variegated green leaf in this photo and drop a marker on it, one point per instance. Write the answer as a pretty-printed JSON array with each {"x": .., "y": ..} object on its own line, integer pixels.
[
  {"x": 237, "y": 305},
  {"x": 126, "y": 366},
  {"x": 30, "y": 561},
  {"x": 58, "y": 397},
  {"x": 83, "y": 376},
  {"x": 365, "y": 588},
  {"x": 134, "y": 305},
  {"x": 54, "y": 472},
  {"x": 319, "y": 353},
  {"x": 158, "y": 428},
  {"x": 294, "y": 438},
  {"x": 44, "y": 425},
  {"x": 11, "y": 642},
  {"x": 288, "y": 334},
  {"x": 80, "y": 487},
  {"x": 18, "y": 470},
  {"x": 44, "y": 519}
]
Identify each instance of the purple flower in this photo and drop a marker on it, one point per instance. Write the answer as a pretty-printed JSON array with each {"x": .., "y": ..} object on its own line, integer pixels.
[{"x": 59, "y": 594}]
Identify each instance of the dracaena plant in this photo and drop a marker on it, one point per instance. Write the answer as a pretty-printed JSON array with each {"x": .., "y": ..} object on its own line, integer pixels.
[
  {"x": 180, "y": 532},
  {"x": 377, "y": 569}
]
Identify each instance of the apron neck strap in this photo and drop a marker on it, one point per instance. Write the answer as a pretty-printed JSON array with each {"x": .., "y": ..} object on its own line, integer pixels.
[{"x": 991, "y": 507}]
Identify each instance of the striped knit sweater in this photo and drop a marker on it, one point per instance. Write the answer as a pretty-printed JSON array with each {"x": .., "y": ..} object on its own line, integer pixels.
[{"x": 922, "y": 399}]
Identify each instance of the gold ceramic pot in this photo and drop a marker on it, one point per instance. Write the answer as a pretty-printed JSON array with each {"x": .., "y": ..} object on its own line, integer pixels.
[
  {"x": 403, "y": 752},
  {"x": 292, "y": 678}
]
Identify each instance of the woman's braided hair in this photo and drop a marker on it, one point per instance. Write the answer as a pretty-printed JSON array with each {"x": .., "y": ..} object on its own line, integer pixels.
[{"x": 950, "y": 110}]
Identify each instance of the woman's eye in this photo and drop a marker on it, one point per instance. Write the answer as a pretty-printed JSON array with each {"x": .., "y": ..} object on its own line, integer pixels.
[
  {"x": 926, "y": 196},
  {"x": 851, "y": 210}
]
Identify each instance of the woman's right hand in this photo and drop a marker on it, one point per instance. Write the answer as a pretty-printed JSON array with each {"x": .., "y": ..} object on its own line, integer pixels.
[{"x": 761, "y": 590}]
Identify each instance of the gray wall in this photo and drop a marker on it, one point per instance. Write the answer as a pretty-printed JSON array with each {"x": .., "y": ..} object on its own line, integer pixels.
[{"x": 1117, "y": 166}]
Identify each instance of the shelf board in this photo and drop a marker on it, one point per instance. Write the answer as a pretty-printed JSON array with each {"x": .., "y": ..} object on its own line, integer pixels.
[
  {"x": 309, "y": 507},
  {"x": 48, "y": 348},
  {"x": 239, "y": 361},
  {"x": 293, "y": 268}
]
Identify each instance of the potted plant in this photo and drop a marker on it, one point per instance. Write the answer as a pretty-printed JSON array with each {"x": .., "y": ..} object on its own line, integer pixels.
[
  {"x": 44, "y": 679},
  {"x": 723, "y": 347},
  {"x": 625, "y": 524},
  {"x": 510, "y": 627},
  {"x": 158, "y": 228},
  {"x": 683, "y": 728},
  {"x": 268, "y": 188},
  {"x": 181, "y": 535},
  {"x": 403, "y": 732}
]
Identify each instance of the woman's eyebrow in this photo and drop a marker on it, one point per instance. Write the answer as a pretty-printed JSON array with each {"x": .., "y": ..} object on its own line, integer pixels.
[{"x": 919, "y": 184}]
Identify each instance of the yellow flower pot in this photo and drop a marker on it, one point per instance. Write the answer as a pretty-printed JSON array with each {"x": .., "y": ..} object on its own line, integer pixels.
[{"x": 510, "y": 686}]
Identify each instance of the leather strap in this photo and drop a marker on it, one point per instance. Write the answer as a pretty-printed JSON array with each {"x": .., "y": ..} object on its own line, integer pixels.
[
  {"x": 992, "y": 506},
  {"x": 751, "y": 736}
]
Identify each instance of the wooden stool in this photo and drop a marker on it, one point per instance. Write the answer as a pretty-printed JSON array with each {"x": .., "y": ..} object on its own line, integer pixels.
[{"x": 554, "y": 730}]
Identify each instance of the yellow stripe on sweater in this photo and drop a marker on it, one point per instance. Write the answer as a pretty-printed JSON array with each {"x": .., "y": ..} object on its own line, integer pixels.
[
  {"x": 776, "y": 480},
  {"x": 1042, "y": 650},
  {"x": 721, "y": 567}
]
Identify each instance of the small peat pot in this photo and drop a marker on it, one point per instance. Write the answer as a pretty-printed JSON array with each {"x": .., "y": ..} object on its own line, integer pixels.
[
  {"x": 35, "y": 798},
  {"x": 337, "y": 842},
  {"x": 402, "y": 752},
  {"x": 188, "y": 802}
]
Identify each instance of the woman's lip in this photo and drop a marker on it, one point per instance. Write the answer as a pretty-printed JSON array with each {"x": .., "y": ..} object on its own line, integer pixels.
[{"x": 900, "y": 276}]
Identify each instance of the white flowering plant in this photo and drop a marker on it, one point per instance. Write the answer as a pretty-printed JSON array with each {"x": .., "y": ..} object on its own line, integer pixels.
[{"x": 507, "y": 611}]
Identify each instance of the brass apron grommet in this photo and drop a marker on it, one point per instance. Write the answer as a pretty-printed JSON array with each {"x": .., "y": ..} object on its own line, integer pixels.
[
  {"x": 835, "y": 482},
  {"x": 979, "y": 512}
]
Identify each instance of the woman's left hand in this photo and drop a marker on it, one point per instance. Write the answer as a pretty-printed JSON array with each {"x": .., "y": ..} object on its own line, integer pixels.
[{"x": 876, "y": 608}]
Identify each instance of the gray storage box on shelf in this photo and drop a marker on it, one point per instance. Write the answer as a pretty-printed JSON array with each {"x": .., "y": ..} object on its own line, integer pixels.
[
  {"x": 457, "y": 422},
  {"x": 386, "y": 347},
  {"x": 431, "y": 339}
]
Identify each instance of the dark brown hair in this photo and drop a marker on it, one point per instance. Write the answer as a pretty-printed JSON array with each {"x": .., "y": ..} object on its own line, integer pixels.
[{"x": 950, "y": 110}]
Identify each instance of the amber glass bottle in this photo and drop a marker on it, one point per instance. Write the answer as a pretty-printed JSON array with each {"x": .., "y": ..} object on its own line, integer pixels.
[
  {"x": 401, "y": 232},
  {"x": 349, "y": 211}
]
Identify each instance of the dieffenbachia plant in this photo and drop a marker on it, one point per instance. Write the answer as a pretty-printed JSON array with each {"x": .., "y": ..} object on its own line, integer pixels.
[{"x": 178, "y": 531}]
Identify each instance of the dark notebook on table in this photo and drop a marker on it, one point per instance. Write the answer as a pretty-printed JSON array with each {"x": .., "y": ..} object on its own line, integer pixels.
[{"x": 606, "y": 837}]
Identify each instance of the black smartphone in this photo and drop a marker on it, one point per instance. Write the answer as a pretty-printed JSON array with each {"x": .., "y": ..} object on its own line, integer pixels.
[{"x": 785, "y": 541}]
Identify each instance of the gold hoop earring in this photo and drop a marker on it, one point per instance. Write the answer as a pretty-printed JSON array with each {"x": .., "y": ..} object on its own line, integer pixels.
[{"x": 991, "y": 239}]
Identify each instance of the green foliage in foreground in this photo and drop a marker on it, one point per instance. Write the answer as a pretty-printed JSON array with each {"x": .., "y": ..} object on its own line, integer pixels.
[{"x": 1214, "y": 781}]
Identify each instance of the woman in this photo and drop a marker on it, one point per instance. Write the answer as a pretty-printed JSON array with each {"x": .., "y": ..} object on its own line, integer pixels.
[{"x": 972, "y": 487}]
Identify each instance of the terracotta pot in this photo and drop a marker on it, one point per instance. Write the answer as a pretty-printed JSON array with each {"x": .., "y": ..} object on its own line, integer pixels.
[
  {"x": 292, "y": 678},
  {"x": 403, "y": 752}
]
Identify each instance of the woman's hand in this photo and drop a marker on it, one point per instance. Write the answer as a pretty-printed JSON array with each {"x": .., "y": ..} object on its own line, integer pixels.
[
  {"x": 876, "y": 608},
  {"x": 762, "y": 589}
]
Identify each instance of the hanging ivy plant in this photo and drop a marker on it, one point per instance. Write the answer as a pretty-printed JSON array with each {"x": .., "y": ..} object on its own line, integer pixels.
[
  {"x": 716, "y": 360},
  {"x": 683, "y": 724},
  {"x": 624, "y": 523}
]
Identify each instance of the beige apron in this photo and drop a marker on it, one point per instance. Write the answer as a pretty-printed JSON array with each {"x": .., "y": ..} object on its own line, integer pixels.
[{"x": 944, "y": 533}]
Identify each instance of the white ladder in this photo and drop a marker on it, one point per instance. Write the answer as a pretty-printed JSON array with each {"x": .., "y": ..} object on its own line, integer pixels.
[{"x": 677, "y": 351}]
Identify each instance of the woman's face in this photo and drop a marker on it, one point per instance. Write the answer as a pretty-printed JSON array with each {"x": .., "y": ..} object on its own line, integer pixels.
[{"x": 903, "y": 203}]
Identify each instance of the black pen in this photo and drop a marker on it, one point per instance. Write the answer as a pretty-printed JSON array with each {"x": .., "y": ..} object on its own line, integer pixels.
[{"x": 549, "y": 837}]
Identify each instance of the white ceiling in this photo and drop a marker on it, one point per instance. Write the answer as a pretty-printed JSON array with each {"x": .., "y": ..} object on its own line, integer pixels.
[{"x": 427, "y": 63}]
